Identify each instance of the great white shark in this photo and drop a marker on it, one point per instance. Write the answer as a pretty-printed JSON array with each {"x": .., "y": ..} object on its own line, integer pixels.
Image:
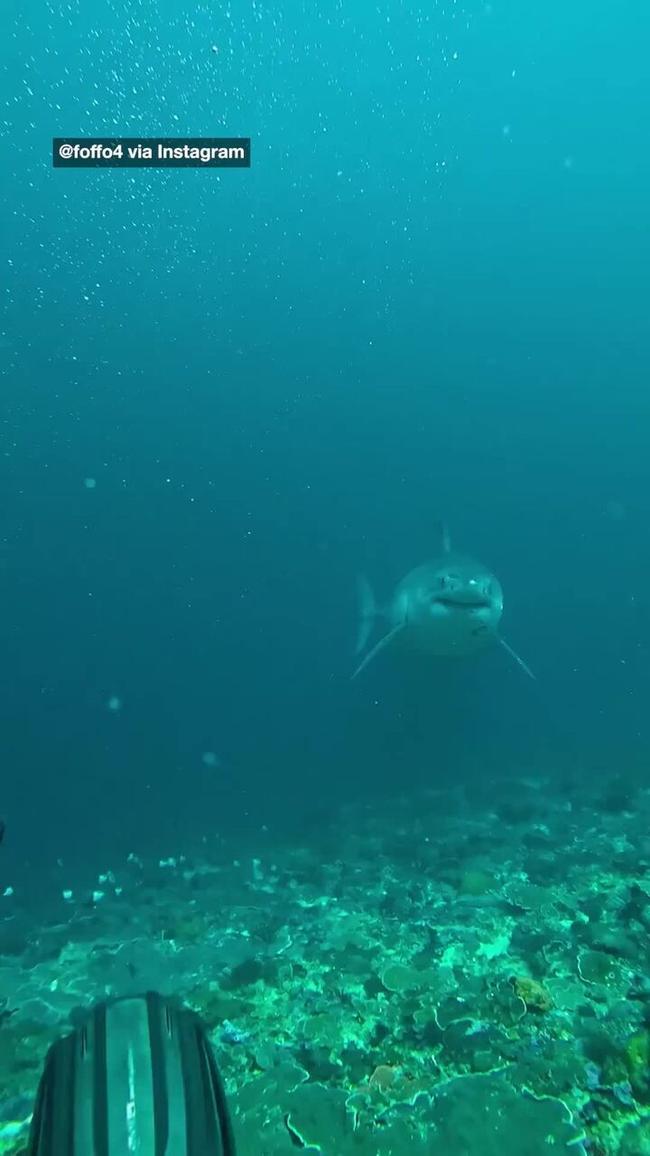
[{"x": 450, "y": 606}]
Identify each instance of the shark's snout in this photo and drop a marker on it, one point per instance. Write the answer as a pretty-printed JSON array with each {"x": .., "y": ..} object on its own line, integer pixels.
[{"x": 468, "y": 593}]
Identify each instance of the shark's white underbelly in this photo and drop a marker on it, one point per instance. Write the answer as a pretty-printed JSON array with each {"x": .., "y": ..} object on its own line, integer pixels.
[{"x": 452, "y": 633}]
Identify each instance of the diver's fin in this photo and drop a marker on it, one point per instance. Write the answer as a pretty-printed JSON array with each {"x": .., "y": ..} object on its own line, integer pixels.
[
  {"x": 383, "y": 642},
  {"x": 513, "y": 654},
  {"x": 367, "y": 612},
  {"x": 137, "y": 1075}
]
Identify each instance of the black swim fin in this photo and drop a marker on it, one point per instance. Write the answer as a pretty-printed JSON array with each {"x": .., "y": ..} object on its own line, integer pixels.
[{"x": 138, "y": 1076}]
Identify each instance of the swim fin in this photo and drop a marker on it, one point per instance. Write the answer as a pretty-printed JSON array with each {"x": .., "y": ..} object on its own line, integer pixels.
[{"x": 137, "y": 1076}]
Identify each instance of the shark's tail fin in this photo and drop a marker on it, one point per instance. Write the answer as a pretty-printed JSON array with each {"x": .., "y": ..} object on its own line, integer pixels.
[{"x": 367, "y": 612}]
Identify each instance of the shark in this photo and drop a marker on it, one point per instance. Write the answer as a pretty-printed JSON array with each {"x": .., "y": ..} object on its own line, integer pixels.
[{"x": 450, "y": 606}]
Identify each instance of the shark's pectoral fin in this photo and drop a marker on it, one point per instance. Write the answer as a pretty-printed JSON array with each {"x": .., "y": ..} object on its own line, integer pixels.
[
  {"x": 518, "y": 660},
  {"x": 381, "y": 645},
  {"x": 368, "y": 612}
]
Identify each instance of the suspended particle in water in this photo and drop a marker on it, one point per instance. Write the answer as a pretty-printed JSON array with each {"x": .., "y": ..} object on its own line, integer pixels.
[
  {"x": 114, "y": 703},
  {"x": 90, "y": 483},
  {"x": 615, "y": 510},
  {"x": 210, "y": 759}
]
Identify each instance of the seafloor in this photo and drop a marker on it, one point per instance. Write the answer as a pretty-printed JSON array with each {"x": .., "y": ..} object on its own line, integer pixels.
[{"x": 443, "y": 974}]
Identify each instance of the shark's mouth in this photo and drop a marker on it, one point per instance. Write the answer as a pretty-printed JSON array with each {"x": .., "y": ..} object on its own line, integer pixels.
[{"x": 460, "y": 603}]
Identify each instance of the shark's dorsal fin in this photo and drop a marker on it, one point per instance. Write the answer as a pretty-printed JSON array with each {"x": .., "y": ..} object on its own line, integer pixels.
[{"x": 383, "y": 642}]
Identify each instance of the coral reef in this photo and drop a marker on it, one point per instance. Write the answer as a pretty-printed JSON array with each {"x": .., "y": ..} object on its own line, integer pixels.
[{"x": 419, "y": 978}]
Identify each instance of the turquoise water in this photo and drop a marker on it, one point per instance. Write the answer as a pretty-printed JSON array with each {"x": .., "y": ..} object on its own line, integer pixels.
[{"x": 227, "y": 392}]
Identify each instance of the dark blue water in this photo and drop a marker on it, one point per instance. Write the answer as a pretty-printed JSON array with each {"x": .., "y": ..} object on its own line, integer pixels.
[{"x": 427, "y": 298}]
